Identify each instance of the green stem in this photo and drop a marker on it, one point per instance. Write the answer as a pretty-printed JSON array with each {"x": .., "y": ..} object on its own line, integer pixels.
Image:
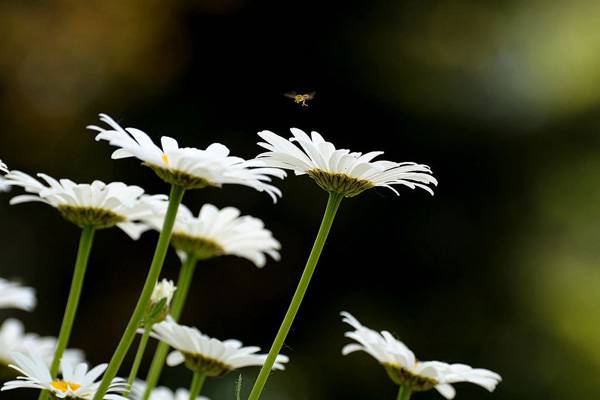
[
  {"x": 332, "y": 206},
  {"x": 83, "y": 254},
  {"x": 186, "y": 273},
  {"x": 196, "y": 386},
  {"x": 138, "y": 358},
  {"x": 404, "y": 393},
  {"x": 142, "y": 305}
]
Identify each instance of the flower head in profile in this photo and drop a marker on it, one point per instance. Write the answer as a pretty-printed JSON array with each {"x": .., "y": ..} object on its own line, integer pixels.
[
  {"x": 13, "y": 295},
  {"x": 188, "y": 167},
  {"x": 339, "y": 170},
  {"x": 13, "y": 339},
  {"x": 404, "y": 369},
  {"x": 215, "y": 232},
  {"x": 207, "y": 355},
  {"x": 76, "y": 382},
  {"x": 97, "y": 204},
  {"x": 161, "y": 393}
]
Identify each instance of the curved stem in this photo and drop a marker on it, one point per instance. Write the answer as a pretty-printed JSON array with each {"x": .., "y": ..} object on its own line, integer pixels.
[
  {"x": 196, "y": 386},
  {"x": 138, "y": 313},
  {"x": 404, "y": 393},
  {"x": 184, "y": 280},
  {"x": 138, "y": 359},
  {"x": 332, "y": 206},
  {"x": 83, "y": 254}
]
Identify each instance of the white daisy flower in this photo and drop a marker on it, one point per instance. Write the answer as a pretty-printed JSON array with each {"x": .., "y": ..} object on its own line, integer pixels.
[
  {"x": 188, "y": 167},
  {"x": 76, "y": 381},
  {"x": 207, "y": 355},
  {"x": 217, "y": 232},
  {"x": 97, "y": 204},
  {"x": 13, "y": 295},
  {"x": 3, "y": 167},
  {"x": 404, "y": 369},
  {"x": 161, "y": 393},
  {"x": 339, "y": 170},
  {"x": 13, "y": 339}
]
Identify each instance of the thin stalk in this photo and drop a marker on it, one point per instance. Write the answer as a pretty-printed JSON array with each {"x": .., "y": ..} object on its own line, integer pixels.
[
  {"x": 184, "y": 280},
  {"x": 404, "y": 393},
  {"x": 332, "y": 206},
  {"x": 196, "y": 386},
  {"x": 138, "y": 313},
  {"x": 83, "y": 254},
  {"x": 138, "y": 358}
]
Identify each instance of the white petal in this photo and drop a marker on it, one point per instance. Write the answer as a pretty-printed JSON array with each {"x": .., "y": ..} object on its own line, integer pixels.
[
  {"x": 175, "y": 358},
  {"x": 446, "y": 390}
]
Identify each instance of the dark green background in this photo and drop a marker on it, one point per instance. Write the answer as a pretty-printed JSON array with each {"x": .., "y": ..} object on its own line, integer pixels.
[{"x": 499, "y": 269}]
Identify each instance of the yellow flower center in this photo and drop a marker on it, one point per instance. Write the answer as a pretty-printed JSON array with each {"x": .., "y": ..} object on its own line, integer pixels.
[
  {"x": 165, "y": 158},
  {"x": 64, "y": 386}
]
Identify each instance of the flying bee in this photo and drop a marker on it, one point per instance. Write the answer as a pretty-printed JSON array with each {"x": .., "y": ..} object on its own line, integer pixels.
[{"x": 301, "y": 98}]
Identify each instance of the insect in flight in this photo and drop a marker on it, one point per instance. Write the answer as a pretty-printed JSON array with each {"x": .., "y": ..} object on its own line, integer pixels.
[{"x": 301, "y": 98}]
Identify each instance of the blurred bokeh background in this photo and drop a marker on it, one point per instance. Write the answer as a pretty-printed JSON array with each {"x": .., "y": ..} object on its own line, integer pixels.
[{"x": 500, "y": 269}]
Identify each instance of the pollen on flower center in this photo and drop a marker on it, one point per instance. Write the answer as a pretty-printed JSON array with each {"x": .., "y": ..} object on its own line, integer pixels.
[
  {"x": 165, "y": 158},
  {"x": 64, "y": 386},
  {"x": 345, "y": 184}
]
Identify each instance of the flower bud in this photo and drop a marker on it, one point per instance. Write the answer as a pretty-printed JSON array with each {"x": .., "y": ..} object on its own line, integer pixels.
[
  {"x": 160, "y": 302},
  {"x": 163, "y": 290}
]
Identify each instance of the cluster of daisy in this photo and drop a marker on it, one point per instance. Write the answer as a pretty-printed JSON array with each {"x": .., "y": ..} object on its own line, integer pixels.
[
  {"x": 29, "y": 353},
  {"x": 47, "y": 365},
  {"x": 13, "y": 338}
]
